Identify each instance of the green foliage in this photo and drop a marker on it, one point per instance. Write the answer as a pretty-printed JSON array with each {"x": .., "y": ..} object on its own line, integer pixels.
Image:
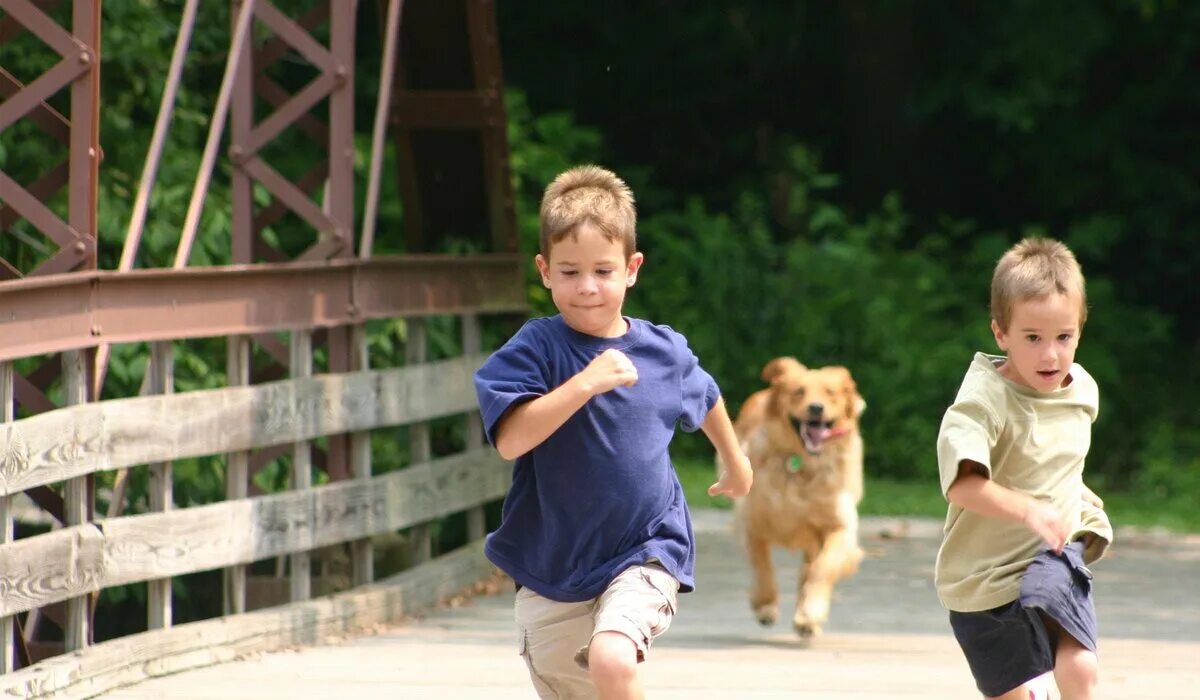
[{"x": 788, "y": 271}]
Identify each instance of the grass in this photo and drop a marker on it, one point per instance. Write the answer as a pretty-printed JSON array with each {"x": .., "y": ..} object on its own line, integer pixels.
[{"x": 1177, "y": 513}]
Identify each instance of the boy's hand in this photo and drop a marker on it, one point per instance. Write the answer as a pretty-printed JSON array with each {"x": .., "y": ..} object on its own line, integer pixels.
[
  {"x": 1045, "y": 521},
  {"x": 735, "y": 480},
  {"x": 608, "y": 371}
]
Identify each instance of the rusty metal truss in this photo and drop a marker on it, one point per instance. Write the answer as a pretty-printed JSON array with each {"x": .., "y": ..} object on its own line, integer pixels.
[{"x": 440, "y": 99}]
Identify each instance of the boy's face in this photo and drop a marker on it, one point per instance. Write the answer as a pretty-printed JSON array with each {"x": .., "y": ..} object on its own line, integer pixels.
[
  {"x": 587, "y": 276},
  {"x": 1041, "y": 339}
]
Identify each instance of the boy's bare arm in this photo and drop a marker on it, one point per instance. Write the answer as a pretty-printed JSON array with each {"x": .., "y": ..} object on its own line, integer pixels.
[
  {"x": 736, "y": 478},
  {"x": 974, "y": 491},
  {"x": 528, "y": 425}
]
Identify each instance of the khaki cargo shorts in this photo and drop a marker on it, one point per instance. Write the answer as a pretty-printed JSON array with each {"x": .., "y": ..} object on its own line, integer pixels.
[{"x": 553, "y": 637}]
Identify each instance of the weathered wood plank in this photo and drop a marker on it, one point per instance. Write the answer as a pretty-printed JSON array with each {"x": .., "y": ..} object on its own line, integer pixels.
[
  {"x": 135, "y": 658},
  {"x": 8, "y": 657},
  {"x": 58, "y": 565},
  {"x": 70, "y": 442},
  {"x": 416, "y": 350},
  {"x": 162, "y": 484},
  {"x": 237, "y": 472},
  {"x": 300, "y": 361},
  {"x": 76, "y": 499},
  {"x": 472, "y": 342},
  {"x": 363, "y": 554}
]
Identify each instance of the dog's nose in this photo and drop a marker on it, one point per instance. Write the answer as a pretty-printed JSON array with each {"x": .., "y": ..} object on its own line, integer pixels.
[{"x": 816, "y": 409}]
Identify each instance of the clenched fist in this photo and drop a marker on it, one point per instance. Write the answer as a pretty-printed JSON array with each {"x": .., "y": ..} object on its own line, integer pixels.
[{"x": 608, "y": 371}]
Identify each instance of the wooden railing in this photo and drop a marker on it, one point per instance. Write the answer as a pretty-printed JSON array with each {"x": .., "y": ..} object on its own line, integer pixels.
[{"x": 66, "y": 445}]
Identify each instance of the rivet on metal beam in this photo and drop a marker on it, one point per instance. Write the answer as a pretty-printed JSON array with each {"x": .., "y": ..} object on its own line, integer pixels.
[
  {"x": 85, "y": 57},
  {"x": 96, "y": 329},
  {"x": 236, "y": 154},
  {"x": 80, "y": 247}
]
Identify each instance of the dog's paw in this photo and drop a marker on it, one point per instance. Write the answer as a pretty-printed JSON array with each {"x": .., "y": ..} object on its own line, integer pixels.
[
  {"x": 806, "y": 629},
  {"x": 766, "y": 615}
]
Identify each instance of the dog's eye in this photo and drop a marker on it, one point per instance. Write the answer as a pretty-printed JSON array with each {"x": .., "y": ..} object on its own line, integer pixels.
[
  {"x": 828, "y": 424},
  {"x": 798, "y": 392}
]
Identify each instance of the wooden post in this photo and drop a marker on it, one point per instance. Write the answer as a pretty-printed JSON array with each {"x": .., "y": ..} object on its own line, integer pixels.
[
  {"x": 162, "y": 381},
  {"x": 237, "y": 476},
  {"x": 7, "y": 648},
  {"x": 300, "y": 361},
  {"x": 75, "y": 496},
  {"x": 362, "y": 556},
  {"x": 471, "y": 343},
  {"x": 419, "y": 451}
]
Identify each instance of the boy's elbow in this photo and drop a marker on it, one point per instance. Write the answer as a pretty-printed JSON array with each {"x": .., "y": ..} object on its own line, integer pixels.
[
  {"x": 507, "y": 450},
  {"x": 970, "y": 477}
]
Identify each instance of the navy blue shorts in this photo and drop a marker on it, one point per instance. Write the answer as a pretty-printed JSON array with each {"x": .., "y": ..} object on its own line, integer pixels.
[{"x": 1010, "y": 645}]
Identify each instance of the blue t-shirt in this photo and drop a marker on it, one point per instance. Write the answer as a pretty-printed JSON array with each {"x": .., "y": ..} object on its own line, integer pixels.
[{"x": 599, "y": 495}]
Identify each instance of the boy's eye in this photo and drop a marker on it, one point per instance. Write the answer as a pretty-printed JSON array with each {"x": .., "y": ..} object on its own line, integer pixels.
[
  {"x": 1031, "y": 338},
  {"x": 569, "y": 273},
  {"x": 1064, "y": 337},
  {"x": 604, "y": 273}
]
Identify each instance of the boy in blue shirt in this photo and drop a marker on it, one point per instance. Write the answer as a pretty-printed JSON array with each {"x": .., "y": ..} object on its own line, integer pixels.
[{"x": 595, "y": 530}]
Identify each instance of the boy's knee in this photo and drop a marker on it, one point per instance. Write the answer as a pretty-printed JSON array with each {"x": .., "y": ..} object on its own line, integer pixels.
[
  {"x": 1078, "y": 669},
  {"x": 1086, "y": 669},
  {"x": 612, "y": 657}
]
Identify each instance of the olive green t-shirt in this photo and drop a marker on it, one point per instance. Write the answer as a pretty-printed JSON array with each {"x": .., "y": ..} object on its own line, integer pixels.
[{"x": 1030, "y": 442}]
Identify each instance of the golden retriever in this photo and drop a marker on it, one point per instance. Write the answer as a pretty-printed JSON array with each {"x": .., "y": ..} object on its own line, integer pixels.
[{"x": 801, "y": 435}]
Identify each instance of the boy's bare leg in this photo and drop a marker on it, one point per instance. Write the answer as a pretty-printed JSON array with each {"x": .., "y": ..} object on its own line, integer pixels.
[
  {"x": 612, "y": 663},
  {"x": 1024, "y": 692},
  {"x": 1076, "y": 669}
]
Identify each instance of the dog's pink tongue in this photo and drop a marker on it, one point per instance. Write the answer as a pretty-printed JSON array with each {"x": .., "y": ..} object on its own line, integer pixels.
[{"x": 819, "y": 434}]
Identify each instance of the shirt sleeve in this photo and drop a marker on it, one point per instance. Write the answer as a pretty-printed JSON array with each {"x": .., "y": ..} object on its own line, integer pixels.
[
  {"x": 969, "y": 429},
  {"x": 1096, "y": 530},
  {"x": 699, "y": 391},
  {"x": 512, "y": 375}
]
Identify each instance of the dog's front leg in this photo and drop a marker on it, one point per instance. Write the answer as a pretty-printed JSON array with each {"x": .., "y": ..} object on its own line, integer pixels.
[
  {"x": 837, "y": 558},
  {"x": 764, "y": 593}
]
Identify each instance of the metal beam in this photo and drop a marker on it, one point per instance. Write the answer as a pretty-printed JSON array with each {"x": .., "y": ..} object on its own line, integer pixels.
[{"x": 53, "y": 313}]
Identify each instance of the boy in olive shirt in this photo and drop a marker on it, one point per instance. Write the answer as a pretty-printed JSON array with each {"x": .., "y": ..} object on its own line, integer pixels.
[{"x": 1021, "y": 525}]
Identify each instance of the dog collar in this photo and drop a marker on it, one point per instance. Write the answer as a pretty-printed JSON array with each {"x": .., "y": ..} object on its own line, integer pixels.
[{"x": 795, "y": 464}]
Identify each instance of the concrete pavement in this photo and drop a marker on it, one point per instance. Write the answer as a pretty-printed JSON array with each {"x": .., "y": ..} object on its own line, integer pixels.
[{"x": 887, "y": 636}]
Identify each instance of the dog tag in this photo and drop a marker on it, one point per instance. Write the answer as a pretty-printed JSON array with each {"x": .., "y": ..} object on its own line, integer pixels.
[{"x": 794, "y": 464}]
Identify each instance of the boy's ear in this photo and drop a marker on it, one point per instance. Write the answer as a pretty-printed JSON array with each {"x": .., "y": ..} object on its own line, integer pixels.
[
  {"x": 543, "y": 267},
  {"x": 631, "y": 268},
  {"x": 1000, "y": 336}
]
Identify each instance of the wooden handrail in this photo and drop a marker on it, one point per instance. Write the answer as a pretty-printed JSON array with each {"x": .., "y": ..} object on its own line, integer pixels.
[
  {"x": 66, "y": 563},
  {"x": 88, "y": 438}
]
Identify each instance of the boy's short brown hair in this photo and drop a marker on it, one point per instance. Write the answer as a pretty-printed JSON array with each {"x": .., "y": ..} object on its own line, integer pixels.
[
  {"x": 1032, "y": 269},
  {"x": 588, "y": 194}
]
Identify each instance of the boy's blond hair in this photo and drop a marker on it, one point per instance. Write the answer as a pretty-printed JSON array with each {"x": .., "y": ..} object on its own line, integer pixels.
[
  {"x": 1032, "y": 269},
  {"x": 588, "y": 194}
]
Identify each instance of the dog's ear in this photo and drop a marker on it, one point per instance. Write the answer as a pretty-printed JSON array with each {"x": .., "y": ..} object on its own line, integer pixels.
[
  {"x": 854, "y": 400},
  {"x": 780, "y": 366}
]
